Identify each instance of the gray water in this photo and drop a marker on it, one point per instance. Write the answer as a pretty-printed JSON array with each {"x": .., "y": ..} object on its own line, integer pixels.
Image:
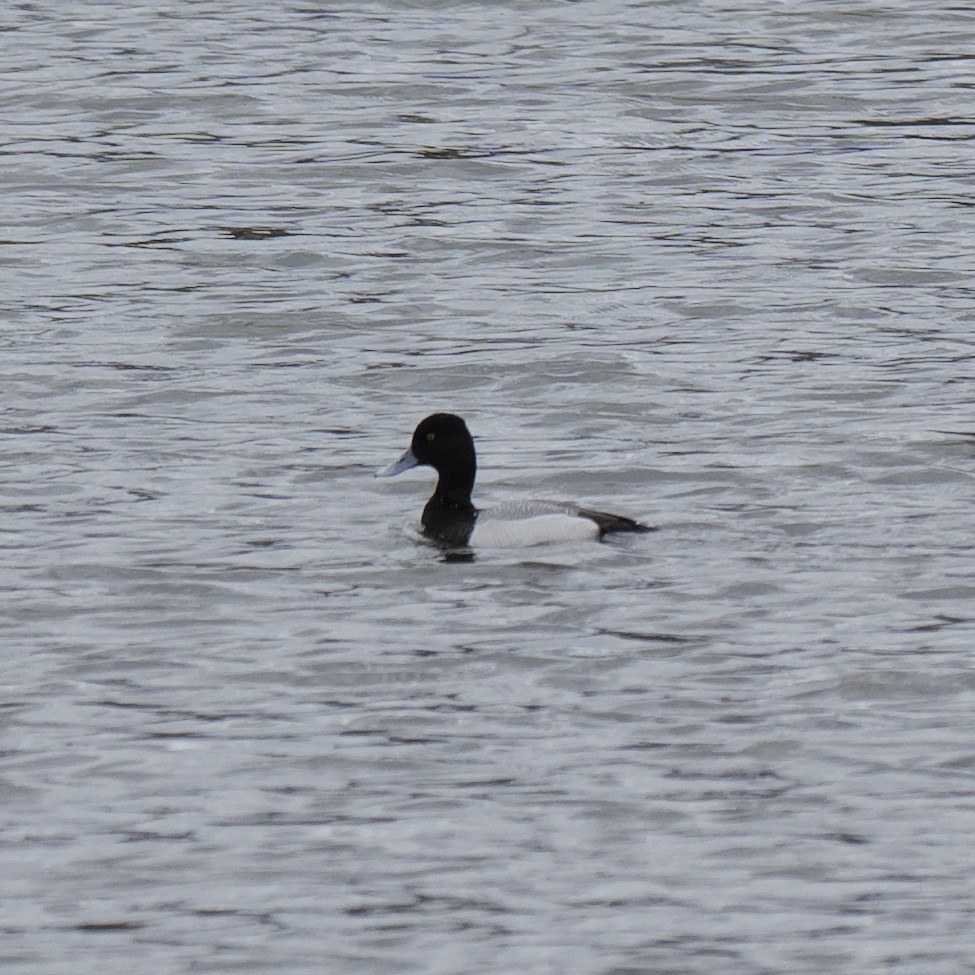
[{"x": 706, "y": 264}]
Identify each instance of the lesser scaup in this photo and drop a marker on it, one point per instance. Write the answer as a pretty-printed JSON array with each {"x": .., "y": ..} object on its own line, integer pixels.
[{"x": 443, "y": 442}]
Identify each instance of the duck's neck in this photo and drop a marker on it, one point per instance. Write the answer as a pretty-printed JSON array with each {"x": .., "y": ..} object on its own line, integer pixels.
[{"x": 454, "y": 487}]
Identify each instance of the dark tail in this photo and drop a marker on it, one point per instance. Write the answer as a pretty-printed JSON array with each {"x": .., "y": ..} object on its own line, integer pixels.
[{"x": 608, "y": 522}]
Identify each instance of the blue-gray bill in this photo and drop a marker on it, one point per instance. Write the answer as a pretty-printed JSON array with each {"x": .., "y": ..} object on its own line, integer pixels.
[{"x": 405, "y": 462}]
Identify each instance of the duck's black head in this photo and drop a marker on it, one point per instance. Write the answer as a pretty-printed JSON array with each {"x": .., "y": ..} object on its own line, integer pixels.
[{"x": 443, "y": 442}]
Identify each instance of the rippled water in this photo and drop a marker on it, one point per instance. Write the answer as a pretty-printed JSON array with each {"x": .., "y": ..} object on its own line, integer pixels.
[{"x": 706, "y": 264}]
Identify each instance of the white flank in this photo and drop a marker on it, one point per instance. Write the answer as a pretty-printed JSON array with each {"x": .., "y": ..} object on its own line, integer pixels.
[{"x": 499, "y": 532}]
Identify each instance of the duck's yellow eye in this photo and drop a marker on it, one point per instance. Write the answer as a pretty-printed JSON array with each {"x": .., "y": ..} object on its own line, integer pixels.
[{"x": 431, "y": 436}]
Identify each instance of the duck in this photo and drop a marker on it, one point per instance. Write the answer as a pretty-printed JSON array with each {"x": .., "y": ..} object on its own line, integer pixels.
[{"x": 443, "y": 442}]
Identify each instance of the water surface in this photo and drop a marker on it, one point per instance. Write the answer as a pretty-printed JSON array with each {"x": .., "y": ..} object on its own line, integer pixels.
[{"x": 703, "y": 264}]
